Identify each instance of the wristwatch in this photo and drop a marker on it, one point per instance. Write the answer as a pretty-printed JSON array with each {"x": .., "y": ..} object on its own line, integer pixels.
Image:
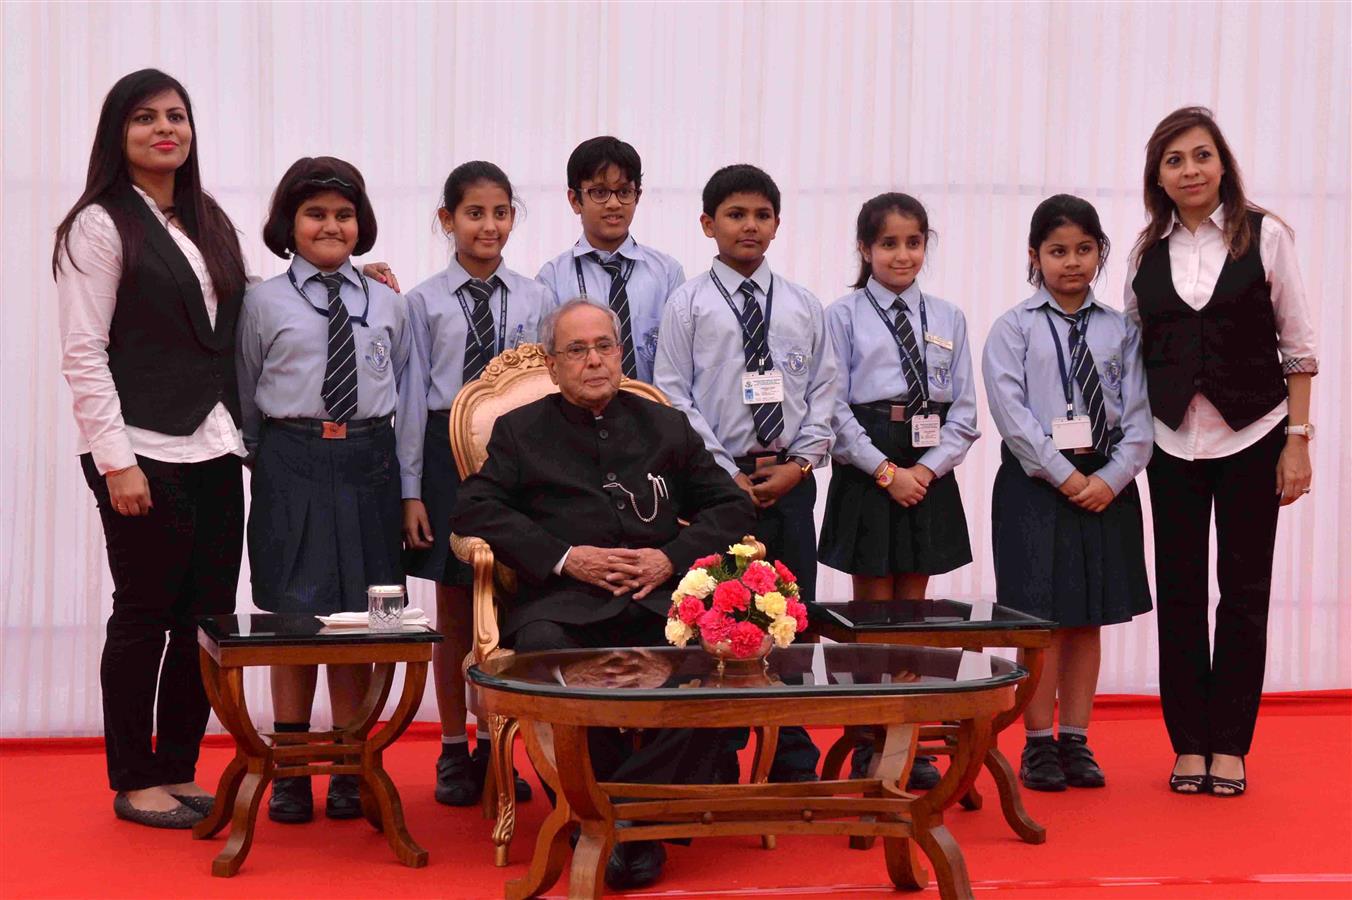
[
  {"x": 1306, "y": 430},
  {"x": 803, "y": 466},
  {"x": 888, "y": 474}
]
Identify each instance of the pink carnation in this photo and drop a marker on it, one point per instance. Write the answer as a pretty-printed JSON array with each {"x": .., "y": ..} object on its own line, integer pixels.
[
  {"x": 746, "y": 640},
  {"x": 714, "y": 626},
  {"x": 690, "y": 610},
  {"x": 760, "y": 577},
  {"x": 707, "y": 562},
  {"x": 799, "y": 612},
  {"x": 731, "y": 595},
  {"x": 784, "y": 574}
]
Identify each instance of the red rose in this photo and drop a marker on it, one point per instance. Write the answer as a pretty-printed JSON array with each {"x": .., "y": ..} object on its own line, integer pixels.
[
  {"x": 798, "y": 611},
  {"x": 760, "y": 577},
  {"x": 714, "y": 626},
  {"x": 746, "y": 640},
  {"x": 707, "y": 562},
  {"x": 690, "y": 610},
  {"x": 731, "y": 595},
  {"x": 784, "y": 574}
]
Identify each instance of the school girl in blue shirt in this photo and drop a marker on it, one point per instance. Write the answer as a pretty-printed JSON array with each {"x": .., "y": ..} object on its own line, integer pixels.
[
  {"x": 321, "y": 353},
  {"x": 1066, "y": 387},
  {"x": 460, "y": 318}
]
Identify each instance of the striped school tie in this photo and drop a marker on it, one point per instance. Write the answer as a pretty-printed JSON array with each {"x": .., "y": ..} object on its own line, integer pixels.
[
  {"x": 619, "y": 301},
  {"x": 1086, "y": 376},
  {"x": 479, "y": 343},
  {"x": 340, "y": 372},
  {"x": 901, "y": 326},
  {"x": 769, "y": 417}
]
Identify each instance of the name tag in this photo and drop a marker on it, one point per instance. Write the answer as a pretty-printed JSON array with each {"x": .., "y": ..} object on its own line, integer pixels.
[
  {"x": 1074, "y": 433},
  {"x": 767, "y": 387},
  {"x": 938, "y": 341},
  {"x": 925, "y": 431}
]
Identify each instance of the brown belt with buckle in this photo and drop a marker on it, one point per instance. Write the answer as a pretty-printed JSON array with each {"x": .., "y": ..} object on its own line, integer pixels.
[{"x": 332, "y": 431}]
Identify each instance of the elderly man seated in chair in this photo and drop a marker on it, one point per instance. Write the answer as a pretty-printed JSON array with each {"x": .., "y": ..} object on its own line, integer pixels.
[{"x": 583, "y": 494}]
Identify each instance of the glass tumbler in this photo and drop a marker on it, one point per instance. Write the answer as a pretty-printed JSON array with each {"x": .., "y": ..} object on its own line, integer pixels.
[{"x": 385, "y": 607}]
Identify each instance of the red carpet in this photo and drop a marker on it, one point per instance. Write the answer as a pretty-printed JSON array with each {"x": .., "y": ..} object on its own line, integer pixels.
[{"x": 1291, "y": 836}]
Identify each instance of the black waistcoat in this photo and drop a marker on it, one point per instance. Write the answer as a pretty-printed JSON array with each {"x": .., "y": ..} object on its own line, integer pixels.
[
  {"x": 1227, "y": 350},
  {"x": 170, "y": 366}
]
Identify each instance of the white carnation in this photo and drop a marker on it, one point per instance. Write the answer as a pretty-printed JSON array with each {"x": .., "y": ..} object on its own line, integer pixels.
[{"x": 679, "y": 633}]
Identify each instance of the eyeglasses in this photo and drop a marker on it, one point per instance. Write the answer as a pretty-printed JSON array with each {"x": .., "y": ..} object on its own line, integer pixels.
[
  {"x": 576, "y": 353},
  {"x": 625, "y": 195}
]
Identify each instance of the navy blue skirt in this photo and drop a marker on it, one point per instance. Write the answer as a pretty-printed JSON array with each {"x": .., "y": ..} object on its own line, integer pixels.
[
  {"x": 440, "y": 487},
  {"x": 1059, "y": 562},
  {"x": 865, "y": 532},
  {"x": 325, "y": 521}
]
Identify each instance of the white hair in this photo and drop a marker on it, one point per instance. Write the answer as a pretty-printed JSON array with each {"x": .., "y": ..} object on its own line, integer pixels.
[{"x": 551, "y": 320}]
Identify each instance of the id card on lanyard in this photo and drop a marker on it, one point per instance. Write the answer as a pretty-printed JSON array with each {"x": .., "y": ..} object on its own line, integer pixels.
[
  {"x": 501, "y": 342},
  {"x": 760, "y": 386},
  {"x": 1071, "y": 432},
  {"x": 925, "y": 425}
]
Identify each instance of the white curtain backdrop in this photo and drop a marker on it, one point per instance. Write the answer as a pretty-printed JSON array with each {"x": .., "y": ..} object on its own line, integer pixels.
[{"x": 979, "y": 109}]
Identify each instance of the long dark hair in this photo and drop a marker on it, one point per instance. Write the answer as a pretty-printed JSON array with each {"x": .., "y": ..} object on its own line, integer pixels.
[
  {"x": 1065, "y": 209},
  {"x": 202, "y": 219},
  {"x": 873, "y": 214},
  {"x": 1239, "y": 234}
]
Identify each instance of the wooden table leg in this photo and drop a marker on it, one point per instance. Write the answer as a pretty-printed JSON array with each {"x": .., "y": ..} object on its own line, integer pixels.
[
  {"x": 927, "y": 811},
  {"x": 834, "y": 760},
  {"x": 590, "y": 806},
  {"x": 551, "y": 846},
  {"x": 232, "y": 708},
  {"x": 386, "y": 795},
  {"x": 891, "y": 764},
  {"x": 1006, "y": 781},
  {"x": 228, "y": 786},
  {"x": 767, "y": 743}
]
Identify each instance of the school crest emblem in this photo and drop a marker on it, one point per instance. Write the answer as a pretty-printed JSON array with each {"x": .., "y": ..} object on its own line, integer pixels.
[
  {"x": 941, "y": 376},
  {"x": 649, "y": 346},
  {"x": 1112, "y": 373},
  {"x": 378, "y": 353},
  {"x": 795, "y": 361}
]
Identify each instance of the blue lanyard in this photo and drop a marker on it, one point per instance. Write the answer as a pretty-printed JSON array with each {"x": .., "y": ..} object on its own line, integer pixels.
[
  {"x": 582, "y": 282},
  {"x": 1076, "y": 354},
  {"x": 366, "y": 289},
  {"x": 502, "y": 316},
  {"x": 769, "y": 307},
  {"x": 901, "y": 351}
]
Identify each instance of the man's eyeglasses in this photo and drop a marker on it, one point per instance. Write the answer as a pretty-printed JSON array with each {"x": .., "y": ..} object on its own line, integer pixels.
[
  {"x": 625, "y": 195},
  {"x": 576, "y": 353}
]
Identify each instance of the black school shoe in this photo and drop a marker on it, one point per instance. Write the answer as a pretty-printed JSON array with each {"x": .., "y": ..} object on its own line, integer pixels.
[
  {"x": 634, "y": 865},
  {"x": 1077, "y": 761},
  {"x": 925, "y": 774},
  {"x": 460, "y": 779},
  {"x": 1040, "y": 766},
  {"x": 344, "y": 798},
  {"x": 291, "y": 802}
]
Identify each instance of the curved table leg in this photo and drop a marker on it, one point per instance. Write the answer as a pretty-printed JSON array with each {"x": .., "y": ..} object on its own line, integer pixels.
[
  {"x": 225, "y": 690},
  {"x": 891, "y": 765},
  {"x": 834, "y": 760},
  {"x": 970, "y": 750},
  {"x": 386, "y": 795},
  {"x": 551, "y": 853},
  {"x": 1006, "y": 782},
  {"x": 227, "y": 789},
  {"x": 767, "y": 742},
  {"x": 228, "y": 861}
]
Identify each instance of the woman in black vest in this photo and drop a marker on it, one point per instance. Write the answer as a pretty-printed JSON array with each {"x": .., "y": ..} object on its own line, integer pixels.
[
  {"x": 149, "y": 278},
  {"x": 1229, "y": 354}
]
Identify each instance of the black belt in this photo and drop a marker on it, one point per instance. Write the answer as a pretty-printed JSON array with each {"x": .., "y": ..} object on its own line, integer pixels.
[
  {"x": 749, "y": 462},
  {"x": 439, "y": 414},
  {"x": 884, "y": 408},
  {"x": 332, "y": 430}
]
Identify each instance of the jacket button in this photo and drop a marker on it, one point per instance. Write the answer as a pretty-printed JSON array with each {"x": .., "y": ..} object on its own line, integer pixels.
[
  {"x": 603, "y": 434},
  {"x": 619, "y": 504},
  {"x": 610, "y": 476}
]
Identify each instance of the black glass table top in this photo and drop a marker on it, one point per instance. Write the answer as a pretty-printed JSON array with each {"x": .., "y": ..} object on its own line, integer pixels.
[
  {"x": 923, "y": 615},
  {"x": 271, "y": 629},
  {"x": 818, "y": 670}
]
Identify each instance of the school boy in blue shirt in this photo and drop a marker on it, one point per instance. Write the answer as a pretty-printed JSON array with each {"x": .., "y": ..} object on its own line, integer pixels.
[
  {"x": 606, "y": 265},
  {"x": 745, "y": 355}
]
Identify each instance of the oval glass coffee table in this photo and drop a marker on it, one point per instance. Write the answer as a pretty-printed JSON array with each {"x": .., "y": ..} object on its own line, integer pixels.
[{"x": 557, "y": 696}]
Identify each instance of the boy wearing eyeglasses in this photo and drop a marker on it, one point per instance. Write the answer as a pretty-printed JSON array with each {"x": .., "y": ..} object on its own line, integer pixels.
[{"x": 606, "y": 265}]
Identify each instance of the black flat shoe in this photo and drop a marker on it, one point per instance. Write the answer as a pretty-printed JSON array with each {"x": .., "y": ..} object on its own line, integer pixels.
[
  {"x": 1077, "y": 761},
  {"x": 200, "y": 804},
  {"x": 291, "y": 802},
  {"x": 1189, "y": 784},
  {"x": 521, "y": 788},
  {"x": 924, "y": 774},
  {"x": 181, "y": 817},
  {"x": 344, "y": 798},
  {"x": 460, "y": 780},
  {"x": 1040, "y": 766},
  {"x": 635, "y": 865}
]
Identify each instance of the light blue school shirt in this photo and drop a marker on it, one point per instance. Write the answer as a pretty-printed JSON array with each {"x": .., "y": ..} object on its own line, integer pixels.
[
  {"x": 282, "y": 341},
  {"x": 654, "y": 277},
  {"x": 700, "y": 363},
  {"x": 868, "y": 358},
  {"x": 439, "y": 329},
  {"x": 1024, "y": 388}
]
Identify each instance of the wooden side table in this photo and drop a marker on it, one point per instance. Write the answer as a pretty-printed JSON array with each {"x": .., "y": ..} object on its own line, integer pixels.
[{"x": 228, "y": 644}]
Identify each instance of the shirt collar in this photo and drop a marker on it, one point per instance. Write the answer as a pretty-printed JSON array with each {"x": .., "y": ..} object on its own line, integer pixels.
[
  {"x": 154, "y": 207},
  {"x": 628, "y": 249},
  {"x": 304, "y": 270},
  {"x": 456, "y": 276},
  {"x": 885, "y": 297},
  {"x": 1043, "y": 297},
  {"x": 732, "y": 280},
  {"x": 581, "y": 416},
  {"x": 1216, "y": 218}
]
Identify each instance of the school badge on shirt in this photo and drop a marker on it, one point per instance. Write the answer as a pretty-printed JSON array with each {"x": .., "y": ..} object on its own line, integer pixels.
[
  {"x": 649, "y": 346},
  {"x": 378, "y": 353},
  {"x": 795, "y": 361},
  {"x": 1112, "y": 373},
  {"x": 941, "y": 376}
]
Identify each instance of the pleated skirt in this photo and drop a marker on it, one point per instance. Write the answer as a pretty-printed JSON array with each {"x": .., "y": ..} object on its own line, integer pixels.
[{"x": 440, "y": 487}]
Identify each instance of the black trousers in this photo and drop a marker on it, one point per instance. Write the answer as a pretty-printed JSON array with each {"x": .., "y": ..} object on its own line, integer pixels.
[
  {"x": 668, "y": 755},
  {"x": 1210, "y": 697},
  {"x": 180, "y": 561}
]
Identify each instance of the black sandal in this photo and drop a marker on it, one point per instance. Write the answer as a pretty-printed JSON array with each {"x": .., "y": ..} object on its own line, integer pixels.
[
  {"x": 1236, "y": 786},
  {"x": 1199, "y": 784}
]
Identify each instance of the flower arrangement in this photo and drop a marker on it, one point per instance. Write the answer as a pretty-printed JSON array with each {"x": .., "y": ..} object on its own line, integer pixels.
[{"x": 735, "y": 601}]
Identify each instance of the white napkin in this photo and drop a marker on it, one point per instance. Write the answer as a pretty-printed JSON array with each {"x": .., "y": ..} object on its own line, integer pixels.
[{"x": 412, "y": 616}]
